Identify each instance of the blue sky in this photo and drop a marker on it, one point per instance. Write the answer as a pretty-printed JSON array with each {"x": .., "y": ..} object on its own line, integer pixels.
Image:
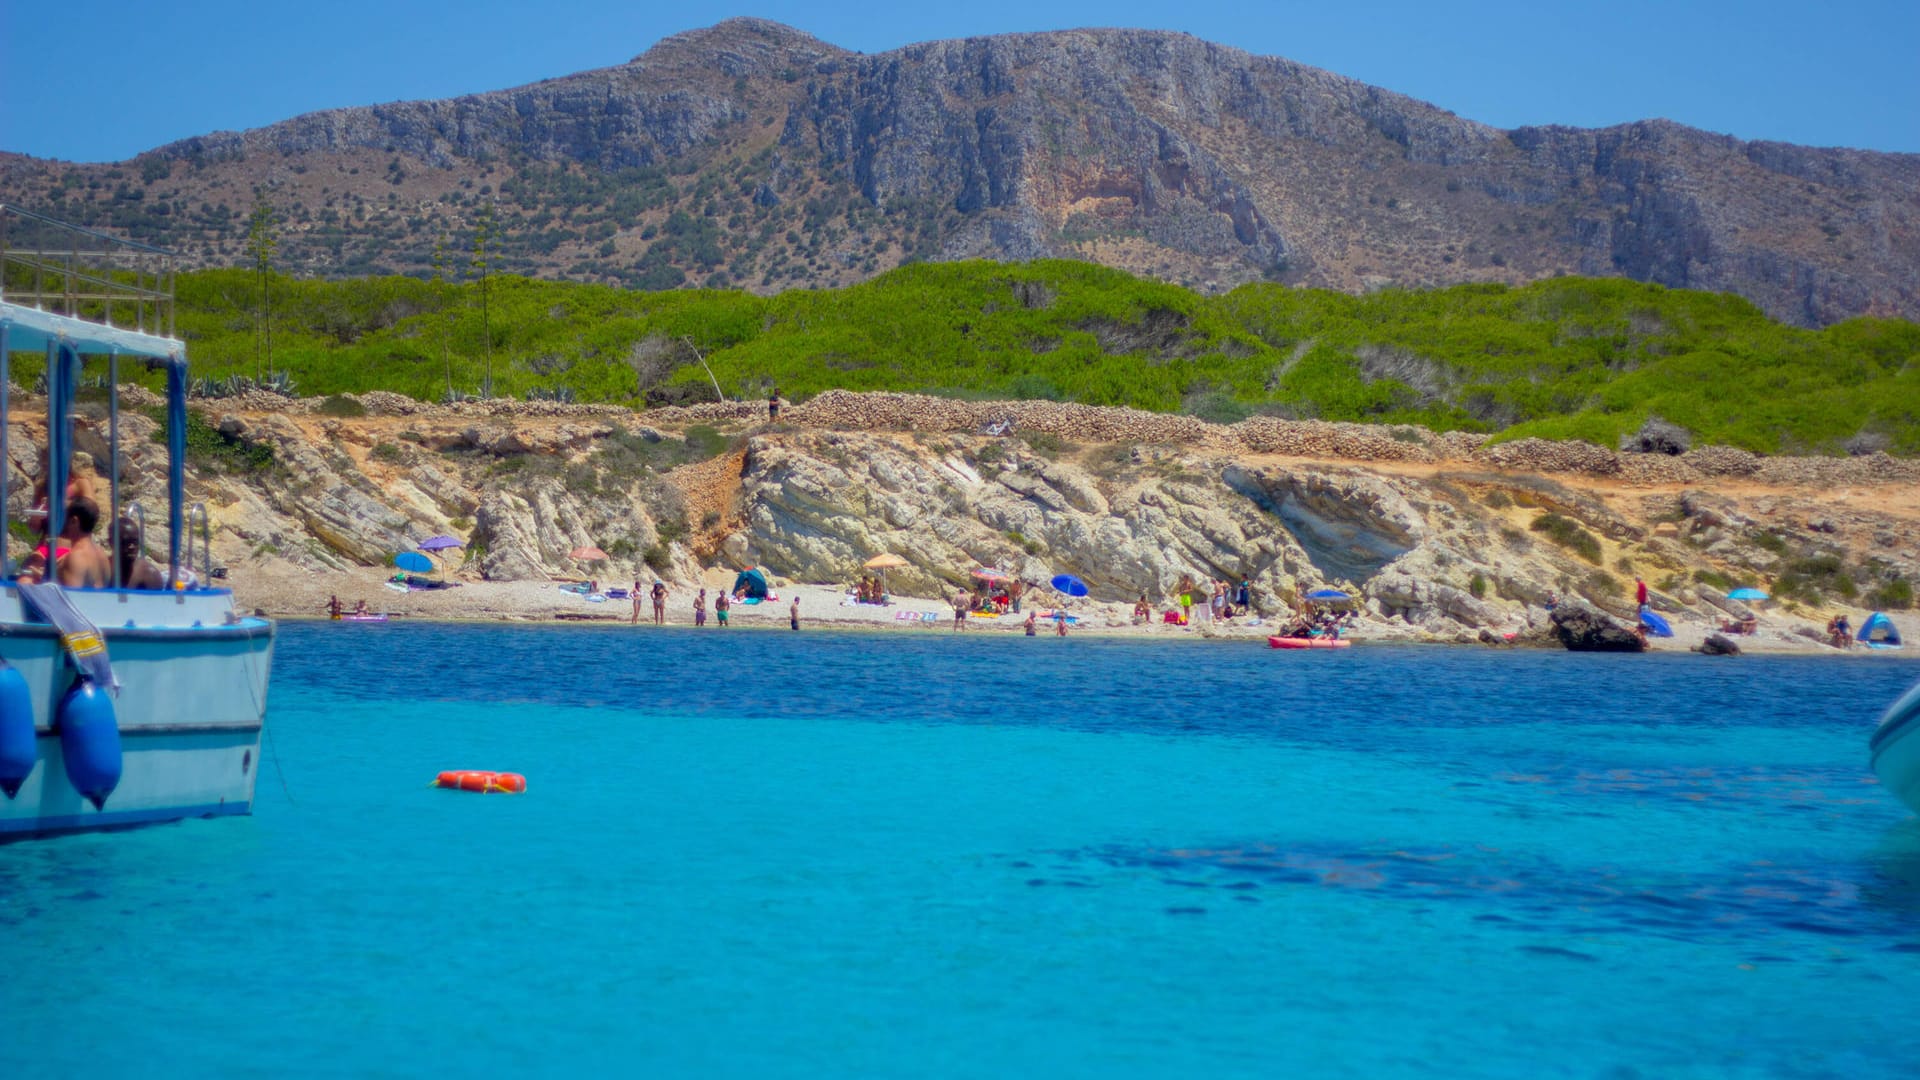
[{"x": 1836, "y": 74}]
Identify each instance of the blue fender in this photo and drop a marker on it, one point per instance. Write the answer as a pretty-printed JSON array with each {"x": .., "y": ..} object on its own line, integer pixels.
[
  {"x": 89, "y": 741},
  {"x": 17, "y": 752}
]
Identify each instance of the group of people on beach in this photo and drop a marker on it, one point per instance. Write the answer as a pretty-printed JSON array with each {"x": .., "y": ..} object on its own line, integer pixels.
[
  {"x": 1217, "y": 599},
  {"x": 76, "y": 559},
  {"x": 723, "y": 602}
]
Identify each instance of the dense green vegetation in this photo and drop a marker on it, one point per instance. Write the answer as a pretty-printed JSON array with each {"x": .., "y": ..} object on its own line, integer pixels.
[{"x": 1567, "y": 358}]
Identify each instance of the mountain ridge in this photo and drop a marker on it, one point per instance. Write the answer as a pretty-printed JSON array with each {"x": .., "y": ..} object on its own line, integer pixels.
[{"x": 750, "y": 154}]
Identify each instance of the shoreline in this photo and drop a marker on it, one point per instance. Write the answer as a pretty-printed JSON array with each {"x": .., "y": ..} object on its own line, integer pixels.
[{"x": 544, "y": 604}]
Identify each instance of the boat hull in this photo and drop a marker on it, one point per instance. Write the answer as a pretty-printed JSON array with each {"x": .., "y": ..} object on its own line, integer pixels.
[
  {"x": 1307, "y": 643},
  {"x": 190, "y": 710},
  {"x": 1896, "y": 750}
]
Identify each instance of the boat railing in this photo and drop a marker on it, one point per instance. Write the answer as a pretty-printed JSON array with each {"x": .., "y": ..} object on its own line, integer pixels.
[
  {"x": 198, "y": 524},
  {"x": 74, "y": 271}
]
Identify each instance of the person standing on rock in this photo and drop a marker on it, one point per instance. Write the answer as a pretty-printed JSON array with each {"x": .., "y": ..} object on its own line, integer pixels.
[
  {"x": 793, "y": 613},
  {"x": 700, "y": 609},
  {"x": 659, "y": 602},
  {"x": 721, "y": 602},
  {"x": 1640, "y": 593},
  {"x": 773, "y": 405}
]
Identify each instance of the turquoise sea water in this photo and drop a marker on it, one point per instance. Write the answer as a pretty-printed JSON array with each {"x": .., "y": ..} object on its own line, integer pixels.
[{"x": 759, "y": 853}]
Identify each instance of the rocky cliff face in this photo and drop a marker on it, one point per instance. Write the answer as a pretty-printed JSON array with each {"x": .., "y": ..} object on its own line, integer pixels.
[
  {"x": 1155, "y": 152},
  {"x": 1439, "y": 540}
]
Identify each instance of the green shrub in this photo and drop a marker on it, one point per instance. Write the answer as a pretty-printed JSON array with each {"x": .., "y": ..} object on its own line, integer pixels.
[
  {"x": 1031, "y": 547},
  {"x": 1045, "y": 443},
  {"x": 1713, "y": 579},
  {"x": 340, "y": 406},
  {"x": 1568, "y": 534},
  {"x": 1895, "y": 595},
  {"x": 1477, "y": 585},
  {"x": 703, "y": 442},
  {"x": 1498, "y": 500},
  {"x": 210, "y": 450},
  {"x": 1591, "y": 358},
  {"x": 385, "y": 451}
]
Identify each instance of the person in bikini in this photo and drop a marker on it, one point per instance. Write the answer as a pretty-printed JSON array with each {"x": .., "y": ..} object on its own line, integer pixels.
[{"x": 78, "y": 562}]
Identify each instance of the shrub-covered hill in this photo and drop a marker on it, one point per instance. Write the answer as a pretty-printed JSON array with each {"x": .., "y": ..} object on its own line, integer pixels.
[{"x": 1566, "y": 358}]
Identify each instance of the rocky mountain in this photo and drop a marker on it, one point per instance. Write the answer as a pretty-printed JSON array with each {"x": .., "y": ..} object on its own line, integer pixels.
[{"x": 752, "y": 155}]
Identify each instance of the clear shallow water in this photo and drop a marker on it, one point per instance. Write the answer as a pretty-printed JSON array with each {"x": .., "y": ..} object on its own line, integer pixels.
[{"x": 760, "y": 853}]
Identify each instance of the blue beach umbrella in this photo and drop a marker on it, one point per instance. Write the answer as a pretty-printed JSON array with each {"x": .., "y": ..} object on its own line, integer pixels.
[
  {"x": 439, "y": 543},
  {"x": 1070, "y": 585},
  {"x": 1747, "y": 594},
  {"x": 1328, "y": 594},
  {"x": 414, "y": 562}
]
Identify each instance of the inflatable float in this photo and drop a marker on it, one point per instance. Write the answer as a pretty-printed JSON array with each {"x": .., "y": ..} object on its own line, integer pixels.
[
  {"x": 481, "y": 781},
  {"x": 362, "y": 618},
  {"x": 1307, "y": 643}
]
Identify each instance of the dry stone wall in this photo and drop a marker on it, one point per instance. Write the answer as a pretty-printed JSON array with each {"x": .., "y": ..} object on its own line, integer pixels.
[{"x": 872, "y": 412}]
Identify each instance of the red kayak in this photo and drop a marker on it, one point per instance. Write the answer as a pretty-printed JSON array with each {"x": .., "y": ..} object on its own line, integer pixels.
[{"x": 1308, "y": 643}]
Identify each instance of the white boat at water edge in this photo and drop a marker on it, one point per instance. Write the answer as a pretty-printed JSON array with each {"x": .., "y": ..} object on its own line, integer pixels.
[
  {"x": 1895, "y": 749},
  {"x": 118, "y": 706}
]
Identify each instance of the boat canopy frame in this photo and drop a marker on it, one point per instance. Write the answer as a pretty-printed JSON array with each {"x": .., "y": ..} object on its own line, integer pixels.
[{"x": 68, "y": 341}]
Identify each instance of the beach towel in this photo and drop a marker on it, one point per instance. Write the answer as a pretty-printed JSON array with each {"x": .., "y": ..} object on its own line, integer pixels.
[{"x": 80, "y": 637}]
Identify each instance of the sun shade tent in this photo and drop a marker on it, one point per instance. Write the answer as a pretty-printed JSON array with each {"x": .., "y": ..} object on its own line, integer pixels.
[
  {"x": 1879, "y": 630},
  {"x": 751, "y": 582}
]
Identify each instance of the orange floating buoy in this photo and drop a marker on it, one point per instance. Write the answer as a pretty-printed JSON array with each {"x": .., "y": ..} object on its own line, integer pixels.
[{"x": 511, "y": 783}]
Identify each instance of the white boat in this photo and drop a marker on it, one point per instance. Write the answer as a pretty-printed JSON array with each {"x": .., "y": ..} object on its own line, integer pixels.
[
  {"x": 118, "y": 706},
  {"x": 1896, "y": 749}
]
